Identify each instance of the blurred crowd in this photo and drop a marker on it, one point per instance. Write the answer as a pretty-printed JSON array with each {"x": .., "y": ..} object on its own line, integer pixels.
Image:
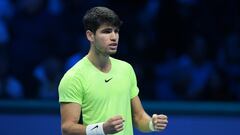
[{"x": 180, "y": 49}]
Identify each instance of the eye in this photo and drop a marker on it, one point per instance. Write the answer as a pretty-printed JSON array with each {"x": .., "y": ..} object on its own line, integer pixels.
[
  {"x": 116, "y": 30},
  {"x": 107, "y": 31}
]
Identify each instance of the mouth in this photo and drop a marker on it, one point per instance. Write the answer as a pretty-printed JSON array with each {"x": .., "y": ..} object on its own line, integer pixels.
[{"x": 113, "y": 46}]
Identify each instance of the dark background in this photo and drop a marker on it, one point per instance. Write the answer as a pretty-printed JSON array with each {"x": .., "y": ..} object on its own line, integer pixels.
[
  {"x": 186, "y": 55},
  {"x": 180, "y": 49}
]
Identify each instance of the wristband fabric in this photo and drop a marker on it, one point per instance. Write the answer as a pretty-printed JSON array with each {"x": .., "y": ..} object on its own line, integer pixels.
[
  {"x": 95, "y": 129},
  {"x": 150, "y": 124}
]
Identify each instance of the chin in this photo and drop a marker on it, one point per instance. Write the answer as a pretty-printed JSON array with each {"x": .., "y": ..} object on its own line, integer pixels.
[{"x": 112, "y": 52}]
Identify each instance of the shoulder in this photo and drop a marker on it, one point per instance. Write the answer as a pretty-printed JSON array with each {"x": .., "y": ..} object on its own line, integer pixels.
[
  {"x": 79, "y": 67},
  {"x": 120, "y": 63},
  {"x": 76, "y": 71}
]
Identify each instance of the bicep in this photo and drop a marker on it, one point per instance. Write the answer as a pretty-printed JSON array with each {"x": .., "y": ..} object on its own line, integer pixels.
[{"x": 70, "y": 112}]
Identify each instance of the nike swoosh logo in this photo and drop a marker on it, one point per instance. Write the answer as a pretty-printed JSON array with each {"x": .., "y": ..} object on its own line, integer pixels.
[
  {"x": 95, "y": 127},
  {"x": 108, "y": 80}
]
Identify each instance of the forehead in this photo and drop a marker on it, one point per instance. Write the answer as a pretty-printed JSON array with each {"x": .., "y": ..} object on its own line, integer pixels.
[{"x": 107, "y": 26}]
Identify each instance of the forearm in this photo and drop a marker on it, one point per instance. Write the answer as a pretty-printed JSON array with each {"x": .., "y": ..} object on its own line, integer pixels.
[
  {"x": 73, "y": 129},
  {"x": 142, "y": 122}
]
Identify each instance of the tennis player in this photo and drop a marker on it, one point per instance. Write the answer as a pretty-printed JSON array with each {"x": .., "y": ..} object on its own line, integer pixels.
[{"x": 101, "y": 88}]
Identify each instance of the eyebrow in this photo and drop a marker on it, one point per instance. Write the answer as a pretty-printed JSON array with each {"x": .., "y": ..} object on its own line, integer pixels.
[{"x": 108, "y": 28}]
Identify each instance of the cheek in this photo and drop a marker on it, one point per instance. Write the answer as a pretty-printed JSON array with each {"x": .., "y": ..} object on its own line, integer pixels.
[{"x": 103, "y": 40}]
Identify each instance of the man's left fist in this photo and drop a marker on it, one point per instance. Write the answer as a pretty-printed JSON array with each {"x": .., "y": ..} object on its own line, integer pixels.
[{"x": 159, "y": 122}]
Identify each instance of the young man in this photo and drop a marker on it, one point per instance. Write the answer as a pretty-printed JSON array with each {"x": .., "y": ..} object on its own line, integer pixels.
[{"x": 102, "y": 88}]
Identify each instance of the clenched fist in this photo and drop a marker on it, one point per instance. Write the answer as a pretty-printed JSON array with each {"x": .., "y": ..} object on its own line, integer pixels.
[
  {"x": 113, "y": 125},
  {"x": 159, "y": 122}
]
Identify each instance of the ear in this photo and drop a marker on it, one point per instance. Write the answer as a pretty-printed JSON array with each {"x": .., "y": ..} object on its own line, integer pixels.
[{"x": 90, "y": 35}]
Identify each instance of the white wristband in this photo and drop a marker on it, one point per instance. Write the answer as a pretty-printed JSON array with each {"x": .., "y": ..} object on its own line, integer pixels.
[
  {"x": 150, "y": 124},
  {"x": 95, "y": 129}
]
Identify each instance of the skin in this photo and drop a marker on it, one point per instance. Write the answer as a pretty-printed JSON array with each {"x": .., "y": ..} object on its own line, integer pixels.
[{"x": 104, "y": 43}]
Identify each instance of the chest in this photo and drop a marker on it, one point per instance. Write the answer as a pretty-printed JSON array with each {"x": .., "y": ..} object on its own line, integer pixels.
[{"x": 102, "y": 88}]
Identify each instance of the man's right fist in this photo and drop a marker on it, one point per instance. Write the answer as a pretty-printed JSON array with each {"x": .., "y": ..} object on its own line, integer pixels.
[{"x": 113, "y": 125}]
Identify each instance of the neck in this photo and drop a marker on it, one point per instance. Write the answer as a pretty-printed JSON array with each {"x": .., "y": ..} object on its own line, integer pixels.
[{"x": 100, "y": 61}]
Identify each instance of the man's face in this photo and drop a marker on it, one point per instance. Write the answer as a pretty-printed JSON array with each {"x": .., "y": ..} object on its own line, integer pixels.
[{"x": 106, "y": 40}]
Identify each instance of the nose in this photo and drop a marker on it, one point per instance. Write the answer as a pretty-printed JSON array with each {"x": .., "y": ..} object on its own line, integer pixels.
[{"x": 114, "y": 36}]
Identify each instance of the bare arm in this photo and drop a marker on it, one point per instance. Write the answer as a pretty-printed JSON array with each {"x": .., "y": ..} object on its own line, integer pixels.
[
  {"x": 141, "y": 119},
  {"x": 70, "y": 114}
]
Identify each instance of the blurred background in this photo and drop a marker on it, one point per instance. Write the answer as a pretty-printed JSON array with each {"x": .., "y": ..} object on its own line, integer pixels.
[{"x": 186, "y": 55}]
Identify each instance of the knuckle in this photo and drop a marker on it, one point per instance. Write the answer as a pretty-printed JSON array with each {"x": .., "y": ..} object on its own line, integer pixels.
[{"x": 116, "y": 127}]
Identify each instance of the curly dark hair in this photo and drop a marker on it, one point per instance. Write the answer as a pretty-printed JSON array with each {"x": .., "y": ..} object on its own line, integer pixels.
[{"x": 97, "y": 16}]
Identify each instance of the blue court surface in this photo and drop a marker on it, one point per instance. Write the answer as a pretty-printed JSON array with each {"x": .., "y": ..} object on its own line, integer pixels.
[
  {"x": 178, "y": 125},
  {"x": 42, "y": 118}
]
